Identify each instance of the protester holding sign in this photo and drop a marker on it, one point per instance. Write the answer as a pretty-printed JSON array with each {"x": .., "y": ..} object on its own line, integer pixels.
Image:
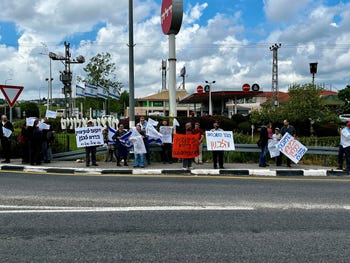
[
  {"x": 167, "y": 140},
  {"x": 197, "y": 130},
  {"x": 187, "y": 161},
  {"x": 122, "y": 150},
  {"x": 47, "y": 139},
  {"x": 138, "y": 139},
  {"x": 90, "y": 151},
  {"x": 345, "y": 142},
  {"x": 217, "y": 154},
  {"x": 7, "y": 129},
  {"x": 287, "y": 128},
  {"x": 143, "y": 124},
  {"x": 274, "y": 151}
]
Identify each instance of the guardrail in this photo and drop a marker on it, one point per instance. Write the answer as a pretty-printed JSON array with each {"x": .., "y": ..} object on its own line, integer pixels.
[{"x": 318, "y": 150}]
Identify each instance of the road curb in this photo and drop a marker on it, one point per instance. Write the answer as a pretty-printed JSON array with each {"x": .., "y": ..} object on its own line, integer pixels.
[{"x": 180, "y": 171}]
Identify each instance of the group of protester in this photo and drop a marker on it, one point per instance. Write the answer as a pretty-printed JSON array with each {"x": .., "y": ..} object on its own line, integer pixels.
[
  {"x": 267, "y": 135},
  {"x": 34, "y": 140},
  {"x": 117, "y": 149}
]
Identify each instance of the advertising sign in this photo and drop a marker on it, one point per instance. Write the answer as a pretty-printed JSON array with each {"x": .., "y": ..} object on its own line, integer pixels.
[{"x": 171, "y": 16}]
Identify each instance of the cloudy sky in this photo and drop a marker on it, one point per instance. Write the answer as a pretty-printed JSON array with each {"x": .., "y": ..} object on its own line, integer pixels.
[{"x": 223, "y": 40}]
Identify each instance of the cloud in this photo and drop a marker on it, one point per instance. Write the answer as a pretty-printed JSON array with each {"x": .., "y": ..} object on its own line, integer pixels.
[
  {"x": 283, "y": 10},
  {"x": 213, "y": 44}
]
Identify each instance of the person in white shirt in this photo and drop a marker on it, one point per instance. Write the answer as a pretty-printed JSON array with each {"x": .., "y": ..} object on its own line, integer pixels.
[
  {"x": 345, "y": 142},
  {"x": 276, "y": 137}
]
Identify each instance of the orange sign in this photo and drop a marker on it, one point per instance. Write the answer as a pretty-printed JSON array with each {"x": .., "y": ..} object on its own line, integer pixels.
[{"x": 185, "y": 146}]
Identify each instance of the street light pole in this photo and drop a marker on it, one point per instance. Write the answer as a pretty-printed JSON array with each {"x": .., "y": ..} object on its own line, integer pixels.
[
  {"x": 313, "y": 71},
  {"x": 210, "y": 101}
]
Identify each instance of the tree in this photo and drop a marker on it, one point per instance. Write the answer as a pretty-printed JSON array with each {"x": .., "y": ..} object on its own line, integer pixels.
[
  {"x": 31, "y": 109},
  {"x": 100, "y": 70},
  {"x": 305, "y": 103},
  {"x": 344, "y": 95},
  {"x": 303, "y": 108}
]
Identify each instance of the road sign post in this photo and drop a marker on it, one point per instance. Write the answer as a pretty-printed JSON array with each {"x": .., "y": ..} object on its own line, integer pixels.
[{"x": 11, "y": 94}]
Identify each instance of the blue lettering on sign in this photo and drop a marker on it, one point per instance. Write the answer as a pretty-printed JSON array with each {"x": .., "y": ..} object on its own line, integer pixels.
[{"x": 284, "y": 141}]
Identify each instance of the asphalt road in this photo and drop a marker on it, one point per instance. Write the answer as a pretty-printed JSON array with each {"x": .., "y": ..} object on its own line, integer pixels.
[{"x": 60, "y": 218}]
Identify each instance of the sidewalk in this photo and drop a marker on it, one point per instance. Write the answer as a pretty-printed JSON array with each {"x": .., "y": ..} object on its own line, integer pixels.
[{"x": 157, "y": 168}]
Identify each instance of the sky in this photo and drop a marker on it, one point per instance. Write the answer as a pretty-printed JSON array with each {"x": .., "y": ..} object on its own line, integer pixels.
[{"x": 223, "y": 40}]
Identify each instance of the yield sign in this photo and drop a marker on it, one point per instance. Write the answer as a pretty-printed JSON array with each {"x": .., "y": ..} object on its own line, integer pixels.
[{"x": 11, "y": 93}]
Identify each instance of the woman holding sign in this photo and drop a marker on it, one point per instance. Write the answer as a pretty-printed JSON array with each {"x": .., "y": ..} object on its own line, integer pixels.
[{"x": 122, "y": 150}]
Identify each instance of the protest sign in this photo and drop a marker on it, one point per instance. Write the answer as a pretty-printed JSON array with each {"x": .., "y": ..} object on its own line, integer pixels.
[
  {"x": 220, "y": 141},
  {"x": 30, "y": 121},
  {"x": 273, "y": 149},
  {"x": 50, "y": 114},
  {"x": 167, "y": 132},
  {"x": 89, "y": 136},
  {"x": 43, "y": 126},
  {"x": 139, "y": 146},
  {"x": 291, "y": 148},
  {"x": 7, "y": 132},
  {"x": 185, "y": 146}
]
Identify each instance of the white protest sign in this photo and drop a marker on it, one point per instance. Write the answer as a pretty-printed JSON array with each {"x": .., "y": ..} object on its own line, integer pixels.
[
  {"x": 273, "y": 149},
  {"x": 139, "y": 146},
  {"x": 291, "y": 148},
  {"x": 50, "y": 114},
  {"x": 43, "y": 126},
  {"x": 220, "y": 141},
  {"x": 7, "y": 132},
  {"x": 167, "y": 132},
  {"x": 30, "y": 121},
  {"x": 89, "y": 136}
]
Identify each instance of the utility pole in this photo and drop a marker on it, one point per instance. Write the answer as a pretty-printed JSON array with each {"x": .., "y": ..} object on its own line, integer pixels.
[
  {"x": 274, "y": 48},
  {"x": 131, "y": 66},
  {"x": 66, "y": 75}
]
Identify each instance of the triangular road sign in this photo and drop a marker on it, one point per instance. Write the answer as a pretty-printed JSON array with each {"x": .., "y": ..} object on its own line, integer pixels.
[{"x": 11, "y": 93}]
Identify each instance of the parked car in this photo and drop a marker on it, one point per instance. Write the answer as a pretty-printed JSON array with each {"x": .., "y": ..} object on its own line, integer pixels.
[{"x": 344, "y": 117}]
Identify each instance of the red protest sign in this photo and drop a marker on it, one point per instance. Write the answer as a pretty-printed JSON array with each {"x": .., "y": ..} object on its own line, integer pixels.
[{"x": 185, "y": 146}]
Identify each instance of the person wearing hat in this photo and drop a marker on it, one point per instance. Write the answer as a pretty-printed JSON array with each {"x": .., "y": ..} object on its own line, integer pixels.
[
  {"x": 345, "y": 143},
  {"x": 276, "y": 137},
  {"x": 200, "y": 132}
]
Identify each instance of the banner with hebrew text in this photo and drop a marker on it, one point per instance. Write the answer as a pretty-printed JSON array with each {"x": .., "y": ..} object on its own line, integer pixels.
[
  {"x": 185, "y": 146},
  {"x": 220, "y": 141},
  {"x": 291, "y": 148}
]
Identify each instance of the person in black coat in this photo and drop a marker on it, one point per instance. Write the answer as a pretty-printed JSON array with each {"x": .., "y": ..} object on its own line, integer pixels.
[
  {"x": 6, "y": 140},
  {"x": 263, "y": 141}
]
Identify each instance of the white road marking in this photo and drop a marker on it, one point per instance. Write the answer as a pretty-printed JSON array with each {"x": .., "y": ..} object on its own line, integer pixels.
[{"x": 8, "y": 209}]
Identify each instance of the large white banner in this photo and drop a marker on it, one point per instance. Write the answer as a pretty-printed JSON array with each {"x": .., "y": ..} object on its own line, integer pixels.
[
  {"x": 89, "y": 136},
  {"x": 220, "y": 141},
  {"x": 291, "y": 148}
]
